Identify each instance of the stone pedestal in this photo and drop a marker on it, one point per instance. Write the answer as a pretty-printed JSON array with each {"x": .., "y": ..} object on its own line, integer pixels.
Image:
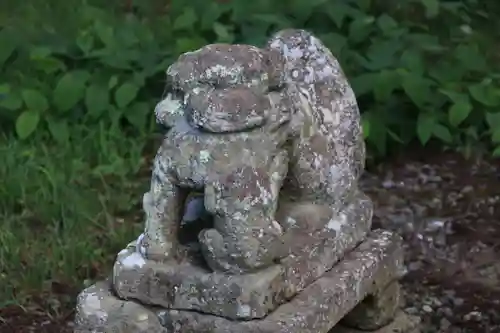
[
  {"x": 360, "y": 292},
  {"x": 190, "y": 285}
]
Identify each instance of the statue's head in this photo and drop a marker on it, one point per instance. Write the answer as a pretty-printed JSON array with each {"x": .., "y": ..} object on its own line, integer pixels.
[{"x": 221, "y": 88}]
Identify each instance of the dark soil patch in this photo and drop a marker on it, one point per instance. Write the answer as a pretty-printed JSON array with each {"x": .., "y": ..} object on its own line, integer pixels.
[
  {"x": 14, "y": 319},
  {"x": 454, "y": 286}
]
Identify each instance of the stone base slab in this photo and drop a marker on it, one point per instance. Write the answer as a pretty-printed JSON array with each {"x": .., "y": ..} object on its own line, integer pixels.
[
  {"x": 367, "y": 270},
  {"x": 186, "y": 285}
]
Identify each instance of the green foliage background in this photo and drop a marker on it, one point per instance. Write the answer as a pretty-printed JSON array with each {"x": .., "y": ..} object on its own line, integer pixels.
[{"x": 420, "y": 68}]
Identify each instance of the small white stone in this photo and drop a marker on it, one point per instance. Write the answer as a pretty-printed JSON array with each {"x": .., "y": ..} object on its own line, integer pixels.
[
  {"x": 139, "y": 247},
  {"x": 92, "y": 306},
  {"x": 277, "y": 226},
  {"x": 142, "y": 317},
  {"x": 337, "y": 223},
  {"x": 204, "y": 156},
  {"x": 93, "y": 301},
  {"x": 244, "y": 310},
  {"x": 427, "y": 309},
  {"x": 133, "y": 260}
]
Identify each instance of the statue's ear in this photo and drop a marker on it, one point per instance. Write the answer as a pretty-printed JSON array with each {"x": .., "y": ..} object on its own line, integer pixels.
[
  {"x": 227, "y": 110},
  {"x": 169, "y": 110}
]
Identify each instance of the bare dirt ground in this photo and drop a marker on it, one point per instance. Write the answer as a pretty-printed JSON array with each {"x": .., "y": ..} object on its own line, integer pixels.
[{"x": 448, "y": 211}]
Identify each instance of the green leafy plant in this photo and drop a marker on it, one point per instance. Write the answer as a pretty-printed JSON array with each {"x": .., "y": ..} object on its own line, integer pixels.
[{"x": 422, "y": 69}]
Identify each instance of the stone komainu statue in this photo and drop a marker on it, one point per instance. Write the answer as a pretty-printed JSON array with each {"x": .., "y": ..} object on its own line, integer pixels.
[
  {"x": 271, "y": 137},
  {"x": 260, "y": 131}
]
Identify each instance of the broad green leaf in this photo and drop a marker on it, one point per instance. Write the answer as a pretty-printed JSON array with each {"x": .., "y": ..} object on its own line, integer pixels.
[
  {"x": 496, "y": 152},
  {"x": 493, "y": 119},
  {"x": 442, "y": 133},
  {"x": 27, "y": 123},
  {"x": 223, "y": 33},
  {"x": 303, "y": 10},
  {"x": 186, "y": 20},
  {"x": 49, "y": 65},
  {"x": 122, "y": 60},
  {"x": 211, "y": 14},
  {"x": 446, "y": 72},
  {"x": 378, "y": 131},
  {"x": 426, "y": 42},
  {"x": 416, "y": 88},
  {"x": 113, "y": 81},
  {"x": 431, "y": 7},
  {"x": 338, "y": 13},
  {"x": 184, "y": 44},
  {"x": 4, "y": 88},
  {"x": 126, "y": 93},
  {"x": 485, "y": 94},
  {"x": 357, "y": 59},
  {"x": 495, "y": 136},
  {"x": 335, "y": 42},
  {"x": 471, "y": 57},
  {"x": 104, "y": 32},
  {"x": 272, "y": 19},
  {"x": 85, "y": 41},
  {"x": 70, "y": 90},
  {"x": 364, "y": 5},
  {"x": 11, "y": 101},
  {"x": 382, "y": 55},
  {"x": 458, "y": 112},
  {"x": 127, "y": 36},
  {"x": 386, "y": 23},
  {"x": 34, "y": 100},
  {"x": 425, "y": 127},
  {"x": 360, "y": 28},
  {"x": 7, "y": 48},
  {"x": 364, "y": 83},
  {"x": 41, "y": 58},
  {"x": 412, "y": 60},
  {"x": 365, "y": 125},
  {"x": 40, "y": 52},
  {"x": 386, "y": 83},
  {"x": 59, "y": 130},
  {"x": 96, "y": 99},
  {"x": 455, "y": 96},
  {"x": 137, "y": 115}
]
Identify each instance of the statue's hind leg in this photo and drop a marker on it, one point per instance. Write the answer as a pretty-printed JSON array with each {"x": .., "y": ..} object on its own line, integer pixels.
[
  {"x": 162, "y": 207},
  {"x": 246, "y": 236}
]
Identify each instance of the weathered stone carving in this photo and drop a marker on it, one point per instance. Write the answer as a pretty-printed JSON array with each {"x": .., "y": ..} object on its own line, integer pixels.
[
  {"x": 228, "y": 140},
  {"x": 271, "y": 138}
]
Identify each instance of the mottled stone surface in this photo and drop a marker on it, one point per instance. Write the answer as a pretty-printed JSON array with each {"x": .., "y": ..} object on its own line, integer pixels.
[
  {"x": 98, "y": 310},
  {"x": 364, "y": 271},
  {"x": 189, "y": 285},
  {"x": 328, "y": 149},
  {"x": 251, "y": 127}
]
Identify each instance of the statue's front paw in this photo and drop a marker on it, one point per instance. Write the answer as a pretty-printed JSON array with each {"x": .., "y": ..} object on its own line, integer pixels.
[
  {"x": 214, "y": 251},
  {"x": 155, "y": 250}
]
